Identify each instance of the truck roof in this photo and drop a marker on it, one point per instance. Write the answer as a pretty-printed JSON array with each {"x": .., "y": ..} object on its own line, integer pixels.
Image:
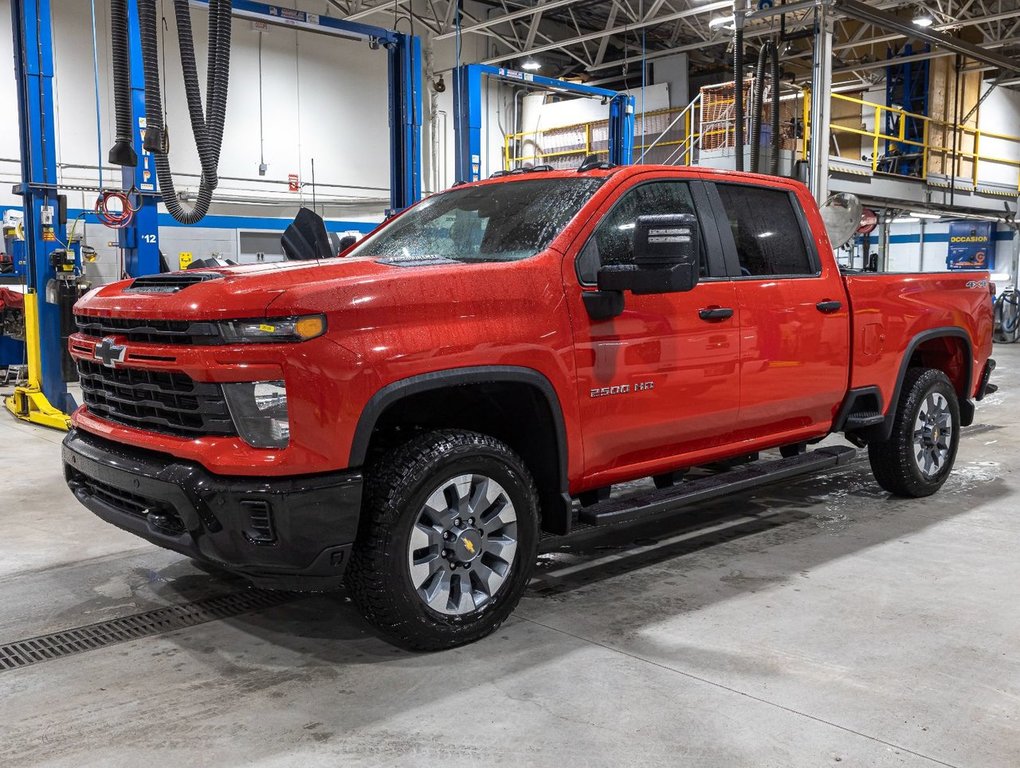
[{"x": 625, "y": 171}]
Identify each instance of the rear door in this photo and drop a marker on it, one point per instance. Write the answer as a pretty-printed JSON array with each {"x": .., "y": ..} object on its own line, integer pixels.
[
  {"x": 659, "y": 380},
  {"x": 794, "y": 318}
]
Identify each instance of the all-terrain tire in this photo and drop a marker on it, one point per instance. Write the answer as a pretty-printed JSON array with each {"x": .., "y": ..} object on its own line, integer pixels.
[
  {"x": 385, "y": 561},
  {"x": 910, "y": 463}
]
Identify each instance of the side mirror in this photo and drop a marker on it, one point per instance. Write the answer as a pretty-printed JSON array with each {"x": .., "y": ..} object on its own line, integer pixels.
[
  {"x": 306, "y": 238},
  {"x": 666, "y": 256}
]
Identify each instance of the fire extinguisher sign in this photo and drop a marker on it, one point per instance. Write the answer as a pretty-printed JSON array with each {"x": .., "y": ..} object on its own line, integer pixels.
[{"x": 293, "y": 184}]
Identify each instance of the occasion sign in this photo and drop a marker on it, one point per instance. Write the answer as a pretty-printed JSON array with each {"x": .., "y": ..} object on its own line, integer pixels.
[{"x": 970, "y": 245}]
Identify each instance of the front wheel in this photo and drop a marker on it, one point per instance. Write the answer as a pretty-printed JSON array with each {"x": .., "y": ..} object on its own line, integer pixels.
[
  {"x": 448, "y": 540},
  {"x": 919, "y": 454}
]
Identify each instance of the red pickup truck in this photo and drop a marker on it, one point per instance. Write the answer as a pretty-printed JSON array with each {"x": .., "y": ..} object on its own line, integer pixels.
[{"x": 483, "y": 368}]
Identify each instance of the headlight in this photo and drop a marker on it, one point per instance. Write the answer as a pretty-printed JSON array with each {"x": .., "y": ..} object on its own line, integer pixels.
[
  {"x": 259, "y": 411},
  {"x": 273, "y": 329}
]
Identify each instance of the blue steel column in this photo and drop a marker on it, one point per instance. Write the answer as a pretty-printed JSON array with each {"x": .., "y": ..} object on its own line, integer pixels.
[
  {"x": 404, "y": 58},
  {"x": 140, "y": 240},
  {"x": 33, "y": 67},
  {"x": 621, "y": 129},
  {"x": 467, "y": 122},
  {"x": 467, "y": 114}
]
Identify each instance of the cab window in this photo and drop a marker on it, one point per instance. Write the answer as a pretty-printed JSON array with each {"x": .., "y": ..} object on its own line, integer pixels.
[
  {"x": 612, "y": 241},
  {"x": 766, "y": 231}
]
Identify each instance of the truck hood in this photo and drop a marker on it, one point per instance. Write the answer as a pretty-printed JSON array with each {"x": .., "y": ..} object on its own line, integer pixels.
[{"x": 220, "y": 293}]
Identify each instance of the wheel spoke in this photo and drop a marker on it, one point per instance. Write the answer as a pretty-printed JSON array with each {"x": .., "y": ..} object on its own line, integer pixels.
[
  {"x": 461, "y": 599},
  {"x": 484, "y": 494},
  {"x": 437, "y": 591},
  {"x": 487, "y": 578},
  {"x": 502, "y": 547},
  {"x": 436, "y": 508}
]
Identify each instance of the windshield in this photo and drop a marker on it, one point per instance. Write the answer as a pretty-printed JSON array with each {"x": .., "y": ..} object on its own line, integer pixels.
[{"x": 491, "y": 222}]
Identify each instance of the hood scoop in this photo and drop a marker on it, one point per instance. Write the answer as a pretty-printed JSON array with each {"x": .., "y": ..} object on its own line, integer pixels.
[{"x": 171, "y": 282}]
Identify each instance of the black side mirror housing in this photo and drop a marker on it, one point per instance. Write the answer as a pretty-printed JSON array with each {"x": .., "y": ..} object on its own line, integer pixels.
[
  {"x": 306, "y": 238},
  {"x": 666, "y": 256}
]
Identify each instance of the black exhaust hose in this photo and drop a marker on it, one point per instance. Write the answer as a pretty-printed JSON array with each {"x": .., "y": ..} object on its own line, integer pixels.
[
  {"x": 122, "y": 152},
  {"x": 757, "y": 95},
  {"x": 206, "y": 124},
  {"x": 774, "y": 160},
  {"x": 738, "y": 96}
]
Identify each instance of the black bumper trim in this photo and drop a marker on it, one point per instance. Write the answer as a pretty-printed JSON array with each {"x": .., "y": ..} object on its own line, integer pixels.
[{"x": 183, "y": 507}]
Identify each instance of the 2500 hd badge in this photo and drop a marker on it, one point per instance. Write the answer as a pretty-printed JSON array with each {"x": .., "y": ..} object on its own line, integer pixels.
[{"x": 622, "y": 389}]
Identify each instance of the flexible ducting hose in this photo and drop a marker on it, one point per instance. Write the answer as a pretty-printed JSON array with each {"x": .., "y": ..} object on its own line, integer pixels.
[
  {"x": 123, "y": 152},
  {"x": 768, "y": 51},
  {"x": 774, "y": 159},
  {"x": 738, "y": 96},
  {"x": 206, "y": 124},
  {"x": 757, "y": 94}
]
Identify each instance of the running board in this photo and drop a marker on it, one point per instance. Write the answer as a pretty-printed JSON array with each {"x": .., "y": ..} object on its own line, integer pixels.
[{"x": 651, "y": 503}]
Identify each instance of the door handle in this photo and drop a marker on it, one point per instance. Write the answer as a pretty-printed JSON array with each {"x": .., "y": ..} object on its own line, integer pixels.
[
  {"x": 715, "y": 313},
  {"x": 828, "y": 307}
]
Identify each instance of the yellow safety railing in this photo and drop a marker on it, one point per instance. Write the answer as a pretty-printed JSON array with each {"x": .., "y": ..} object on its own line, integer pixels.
[
  {"x": 691, "y": 135},
  {"x": 952, "y": 156},
  {"x": 529, "y": 146}
]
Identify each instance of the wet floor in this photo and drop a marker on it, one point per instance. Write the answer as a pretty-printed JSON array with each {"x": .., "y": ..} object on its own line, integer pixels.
[{"x": 814, "y": 623}]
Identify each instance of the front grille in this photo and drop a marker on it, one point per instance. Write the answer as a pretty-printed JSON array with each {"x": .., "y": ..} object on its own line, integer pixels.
[
  {"x": 157, "y": 514},
  {"x": 146, "y": 331},
  {"x": 121, "y": 500},
  {"x": 160, "y": 401}
]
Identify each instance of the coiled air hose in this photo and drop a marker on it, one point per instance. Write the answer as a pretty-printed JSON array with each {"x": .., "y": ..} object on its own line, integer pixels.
[
  {"x": 206, "y": 123},
  {"x": 1007, "y": 316},
  {"x": 122, "y": 152}
]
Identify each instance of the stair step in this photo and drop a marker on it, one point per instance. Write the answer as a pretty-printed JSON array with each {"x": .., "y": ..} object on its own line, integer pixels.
[{"x": 652, "y": 503}]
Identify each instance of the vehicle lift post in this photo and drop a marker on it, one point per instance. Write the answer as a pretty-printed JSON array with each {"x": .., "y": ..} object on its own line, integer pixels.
[
  {"x": 467, "y": 114},
  {"x": 139, "y": 240},
  {"x": 41, "y": 399}
]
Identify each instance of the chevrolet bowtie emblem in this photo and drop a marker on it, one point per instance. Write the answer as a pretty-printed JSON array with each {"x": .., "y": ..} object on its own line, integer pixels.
[
  {"x": 108, "y": 353},
  {"x": 469, "y": 546}
]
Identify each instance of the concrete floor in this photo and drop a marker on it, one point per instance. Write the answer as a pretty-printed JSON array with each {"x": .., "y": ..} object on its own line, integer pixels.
[{"x": 811, "y": 624}]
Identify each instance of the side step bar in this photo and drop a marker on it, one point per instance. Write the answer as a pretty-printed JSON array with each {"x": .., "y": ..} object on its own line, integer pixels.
[{"x": 652, "y": 503}]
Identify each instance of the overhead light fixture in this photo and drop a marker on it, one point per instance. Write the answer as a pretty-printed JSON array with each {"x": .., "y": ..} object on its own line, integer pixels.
[
  {"x": 720, "y": 21},
  {"x": 531, "y": 66},
  {"x": 923, "y": 19},
  {"x": 906, "y": 220},
  {"x": 924, "y": 215}
]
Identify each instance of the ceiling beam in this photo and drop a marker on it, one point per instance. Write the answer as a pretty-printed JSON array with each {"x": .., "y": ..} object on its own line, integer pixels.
[
  {"x": 508, "y": 17},
  {"x": 580, "y": 39},
  {"x": 863, "y": 12}
]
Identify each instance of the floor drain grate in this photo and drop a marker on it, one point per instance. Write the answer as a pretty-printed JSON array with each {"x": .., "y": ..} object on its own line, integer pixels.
[{"x": 88, "y": 638}]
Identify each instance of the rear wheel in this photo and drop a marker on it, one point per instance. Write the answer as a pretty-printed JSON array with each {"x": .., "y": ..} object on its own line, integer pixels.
[
  {"x": 919, "y": 454},
  {"x": 448, "y": 540}
]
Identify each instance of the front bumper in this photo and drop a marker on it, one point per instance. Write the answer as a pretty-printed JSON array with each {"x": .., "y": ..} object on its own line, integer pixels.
[{"x": 279, "y": 532}]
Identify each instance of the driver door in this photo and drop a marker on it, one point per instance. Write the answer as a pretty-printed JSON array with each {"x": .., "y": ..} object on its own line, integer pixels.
[{"x": 659, "y": 382}]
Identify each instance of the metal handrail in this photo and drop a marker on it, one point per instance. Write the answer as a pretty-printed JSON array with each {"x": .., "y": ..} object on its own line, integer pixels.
[
  {"x": 925, "y": 146},
  {"x": 686, "y": 147}
]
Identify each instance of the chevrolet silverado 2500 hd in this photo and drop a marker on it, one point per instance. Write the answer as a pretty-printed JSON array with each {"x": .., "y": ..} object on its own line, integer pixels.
[{"x": 485, "y": 366}]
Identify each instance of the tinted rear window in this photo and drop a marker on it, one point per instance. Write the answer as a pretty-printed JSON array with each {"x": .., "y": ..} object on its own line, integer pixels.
[{"x": 766, "y": 230}]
